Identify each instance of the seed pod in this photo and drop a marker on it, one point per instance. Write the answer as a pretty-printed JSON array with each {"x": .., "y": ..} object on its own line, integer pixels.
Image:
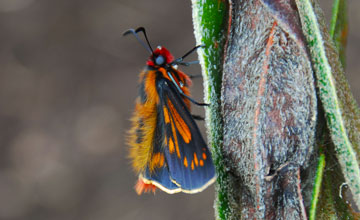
[{"x": 269, "y": 107}]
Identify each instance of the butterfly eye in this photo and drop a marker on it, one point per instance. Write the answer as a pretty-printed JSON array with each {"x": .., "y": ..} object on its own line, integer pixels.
[{"x": 159, "y": 60}]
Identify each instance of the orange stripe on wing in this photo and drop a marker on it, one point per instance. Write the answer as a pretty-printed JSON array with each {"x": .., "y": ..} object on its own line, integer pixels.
[
  {"x": 162, "y": 160},
  {"x": 181, "y": 126},
  {"x": 201, "y": 163},
  {"x": 196, "y": 160},
  {"x": 185, "y": 162},
  {"x": 166, "y": 115},
  {"x": 157, "y": 161},
  {"x": 175, "y": 138},
  {"x": 204, "y": 156},
  {"x": 171, "y": 146}
]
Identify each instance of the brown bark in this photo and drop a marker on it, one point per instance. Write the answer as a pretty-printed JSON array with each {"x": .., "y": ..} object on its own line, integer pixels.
[{"x": 270, "y": 109}]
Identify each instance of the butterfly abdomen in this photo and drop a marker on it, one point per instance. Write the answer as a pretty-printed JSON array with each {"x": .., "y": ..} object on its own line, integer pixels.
[{"x": 144, "y": 121}]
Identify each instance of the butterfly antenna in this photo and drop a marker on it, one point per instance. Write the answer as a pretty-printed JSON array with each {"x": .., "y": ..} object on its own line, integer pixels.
[
  {"x": 134, "y": 32},
  {"x": 142, "y": 29}
]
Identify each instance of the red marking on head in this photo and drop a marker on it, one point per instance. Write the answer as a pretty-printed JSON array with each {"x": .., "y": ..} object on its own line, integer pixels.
[
  {"x": 160, "y": 51},
  {"x": 141, "y": 187}
]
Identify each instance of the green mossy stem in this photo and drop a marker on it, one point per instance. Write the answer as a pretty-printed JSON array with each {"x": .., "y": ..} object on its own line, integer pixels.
[
  {"x": 327, "y": 93},
  {"x": 209, "y": 19},
  {"x": 338, "y": 13},
  {"x": 317, "y": 186},
  {"x": 334, "y": 17},
  {"x": 339, "y": 28}
]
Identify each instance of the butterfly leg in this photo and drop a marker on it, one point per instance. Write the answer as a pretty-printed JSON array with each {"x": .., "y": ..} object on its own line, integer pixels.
[
  {"x": 179, "y": 60},
  {"x": 188, "y": 63},
  {"x": 198, "y": 117},
  {"x": 195, "y": 76},
  {"x": 192, "y": 100},
  {"x": 183, "y": 94}
]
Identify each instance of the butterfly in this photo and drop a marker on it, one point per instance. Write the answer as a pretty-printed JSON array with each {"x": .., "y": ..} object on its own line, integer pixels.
[{"x": 166, "y": 146}]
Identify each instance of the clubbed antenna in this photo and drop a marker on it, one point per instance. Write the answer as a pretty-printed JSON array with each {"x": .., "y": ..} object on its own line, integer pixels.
[{"x": 134, "y": 32}]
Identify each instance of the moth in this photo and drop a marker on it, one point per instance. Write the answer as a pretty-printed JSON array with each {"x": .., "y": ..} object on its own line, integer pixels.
[{"x": 166, "y": 147}]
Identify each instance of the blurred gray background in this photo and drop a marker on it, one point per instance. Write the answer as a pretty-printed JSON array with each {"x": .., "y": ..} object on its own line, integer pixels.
[{"x": 68, "y": 81}]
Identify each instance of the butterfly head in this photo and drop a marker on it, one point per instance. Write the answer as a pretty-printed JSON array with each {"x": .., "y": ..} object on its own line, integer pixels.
[{"x": 160, "y": 57}]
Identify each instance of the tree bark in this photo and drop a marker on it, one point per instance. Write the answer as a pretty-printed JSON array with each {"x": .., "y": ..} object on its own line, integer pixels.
[{"x": 269, "y": 107}]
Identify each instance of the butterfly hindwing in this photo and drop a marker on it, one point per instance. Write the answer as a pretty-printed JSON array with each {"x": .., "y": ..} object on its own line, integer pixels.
[
  {"x": 161, "y": 179},
  {"x": 187, "y": 156}
]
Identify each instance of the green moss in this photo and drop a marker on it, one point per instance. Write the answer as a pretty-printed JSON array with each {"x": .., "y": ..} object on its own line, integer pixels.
[{"x": 210, "y": 17}]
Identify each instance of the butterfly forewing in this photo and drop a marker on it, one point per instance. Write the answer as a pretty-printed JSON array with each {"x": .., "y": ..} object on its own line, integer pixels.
[{"x": 188, "y": 158}]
